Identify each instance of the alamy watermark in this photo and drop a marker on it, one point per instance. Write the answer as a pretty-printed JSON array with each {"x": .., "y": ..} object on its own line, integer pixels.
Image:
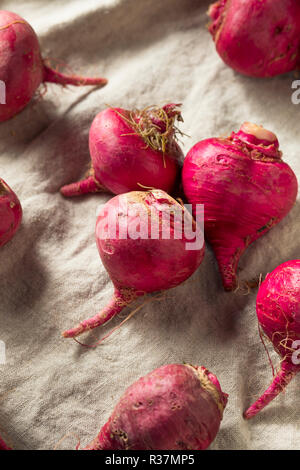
[
  {"x": 296, "y": 353},
  {"x": 2, "y": 353},
  {"x": 2, "y": 92},
  {"x": 296, "y": 94},
  {"x": 161, "y": 221}
]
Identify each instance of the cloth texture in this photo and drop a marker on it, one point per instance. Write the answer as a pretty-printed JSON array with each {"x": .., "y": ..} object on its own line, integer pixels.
[{"x": 152, "y": 52}]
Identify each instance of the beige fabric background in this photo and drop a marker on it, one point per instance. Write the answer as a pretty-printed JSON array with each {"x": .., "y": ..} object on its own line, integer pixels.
[{"x": 51, "y": 276}]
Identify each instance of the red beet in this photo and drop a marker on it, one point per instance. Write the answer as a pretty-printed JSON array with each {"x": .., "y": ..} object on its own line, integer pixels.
[
  {"x": 175, "y": 407},
  {"x": 143, "y": 263},
  {"x": 245, "y": 187},
  {"x": 255, "y": 37},
  {"x": 278, "y": 313},
  {"x": 22, "y": 68},
  {"x": 132, "y": 151},
  {"x": 3, "y": 445},
  {"x": 10, "y": 213}
]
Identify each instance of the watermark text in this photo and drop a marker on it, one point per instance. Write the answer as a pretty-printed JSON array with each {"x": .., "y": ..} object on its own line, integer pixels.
[
  {"x": 2, "y": 92},
  {"x": 296, "y": 353},
  {"x": 157, "y": 222},
  {"x": 296, "y": 93},
  {"x": 2, "y": 353}
]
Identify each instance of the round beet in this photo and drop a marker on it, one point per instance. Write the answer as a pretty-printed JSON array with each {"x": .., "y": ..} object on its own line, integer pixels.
[
  {"x": 10, "y": 213},
  {"x": 142, "y": 256},
  {"x": 175, "y": 407},
  {"x": 22, "y": 69},
  {"x": 132, "y": 151},
  {"x": 278, "y": 313},
  {"x": 257, "y": 38}
]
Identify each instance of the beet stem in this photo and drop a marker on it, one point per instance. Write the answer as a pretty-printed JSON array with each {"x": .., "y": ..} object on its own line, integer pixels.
[
  {"x": 52, "y": 76},
  {"x": 119, "y": 301},
  {"x": 282, "y": 379},
  {"x": 86, "y": 186}
]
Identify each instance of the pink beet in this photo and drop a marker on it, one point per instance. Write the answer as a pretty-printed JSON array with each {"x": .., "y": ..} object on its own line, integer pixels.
[
  {"x": 131, "y": 151},
  {"x": 175, "y": 407},
  {"x": 22, "y": 68},
  {"x": 278, "y": 312},
  {"x": 10, "y": 213},
  {"x": 3, "y": 445},
  {"x": 141, "y": 264},
  {"x": 255, "y": 37},
  {"x": 245, "y": 187}
]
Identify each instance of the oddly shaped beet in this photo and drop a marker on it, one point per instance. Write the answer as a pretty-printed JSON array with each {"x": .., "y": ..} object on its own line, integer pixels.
[
  {"x": 278, "y": 313},
  {"x": 10, "y": 213},
  {"x": 138, "y": 258},
  {"x": 132, "y": 151},
  {"x": 22, "y": 68},
  {"x": 257, "y": 38},
  {"x": 245, "y": 187},
  {"x": 175, "y": 407}
]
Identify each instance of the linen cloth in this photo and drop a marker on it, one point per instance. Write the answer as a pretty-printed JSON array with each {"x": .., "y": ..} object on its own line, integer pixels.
[{"x": 152, "y": 52}]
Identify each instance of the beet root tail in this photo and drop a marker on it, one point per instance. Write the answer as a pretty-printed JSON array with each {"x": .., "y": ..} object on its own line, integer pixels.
[
  {"x": 228, "y": 258},
  {"x": 280, "y": 382},
  {"x": 119, "y": 301},
  {"x": 52, "y": 76},
  {"x": 86, "y": 186},
  {"x": 103, "y": 441}
]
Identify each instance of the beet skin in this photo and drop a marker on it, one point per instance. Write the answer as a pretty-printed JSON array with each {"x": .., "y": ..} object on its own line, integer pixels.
[
  {"x": 257, "y": 38},
  {"x": 246, "y": 189},
  {"x": 175, "y": 407},
  {"x": 278, "y": 313}
]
